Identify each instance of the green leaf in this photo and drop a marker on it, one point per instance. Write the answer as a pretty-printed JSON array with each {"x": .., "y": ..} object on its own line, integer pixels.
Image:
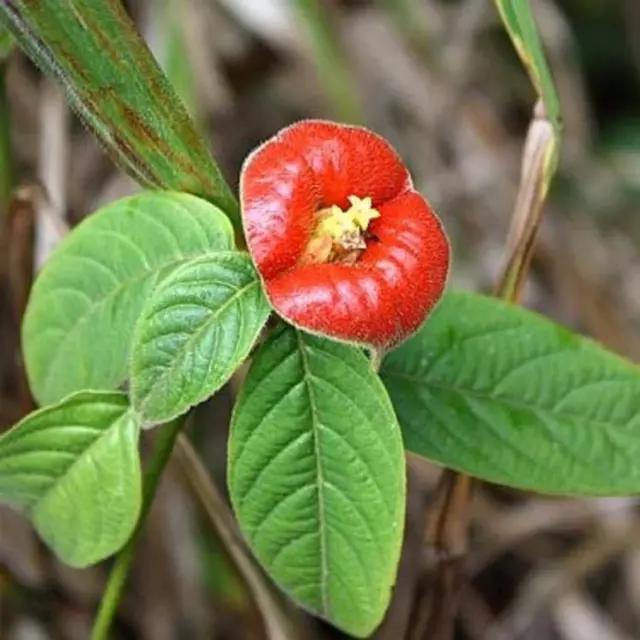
[
  {"x": 87, "y": 299},
  {"x": 196, "y": 329},
  {"x": 115, "y": 85},
  {"x": 6, "y": 43},
  {"x": 317, "y": 477},
  {"x": 503, "y": 394},
  {"x": 74, "y": 467},
  {"x": 518, "y": 20}
]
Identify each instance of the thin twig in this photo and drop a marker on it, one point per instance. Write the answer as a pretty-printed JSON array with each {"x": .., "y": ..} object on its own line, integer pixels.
[
  {"x": 528, "y": 209},
  {"x": 447, "y": 543},
  {"x": 52, "y": 170},
  {"x": 555, "y": 579},
  {"x": 448, "y": 529},
  {"x": 114, "y": 591},
  {"x": 278, "y": 621}
]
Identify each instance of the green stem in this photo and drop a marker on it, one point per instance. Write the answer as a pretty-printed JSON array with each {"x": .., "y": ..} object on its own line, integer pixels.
[
  {"x": 115, "y": 587},
  {"x": 375, "y": 358}
]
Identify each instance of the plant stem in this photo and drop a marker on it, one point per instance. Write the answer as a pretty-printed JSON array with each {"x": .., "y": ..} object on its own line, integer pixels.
[
  {"x": 279, "y": 623},
  {"x": 527, "y": 212},
  {"x": 167, "y": 435},
  {"x": 447, "y": 533},
  {"x": 375, "y": 358}
]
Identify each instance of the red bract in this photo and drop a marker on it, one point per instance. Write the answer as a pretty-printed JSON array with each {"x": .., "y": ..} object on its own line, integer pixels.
[{"x": 345, "y": 246}]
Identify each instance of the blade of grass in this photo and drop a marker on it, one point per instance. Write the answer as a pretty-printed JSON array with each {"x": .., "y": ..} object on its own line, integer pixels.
[
  {"x": 527, "y": 213},
  {"x": 280, "y": 623},
  {"x": 447, "y": 533},
  {"x": 115, "y": 85},
  {"x": 520, "y": 24}
]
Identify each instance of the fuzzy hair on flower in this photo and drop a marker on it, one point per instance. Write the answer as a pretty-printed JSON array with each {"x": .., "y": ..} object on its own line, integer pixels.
[{"x": 345, "y": 246}]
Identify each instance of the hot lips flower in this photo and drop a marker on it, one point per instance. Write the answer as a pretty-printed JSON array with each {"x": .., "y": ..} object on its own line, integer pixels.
[{"x": 345, "y": 246}]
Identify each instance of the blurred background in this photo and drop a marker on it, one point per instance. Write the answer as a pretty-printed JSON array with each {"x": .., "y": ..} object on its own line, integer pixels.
[{"x": 440, "y": 80}]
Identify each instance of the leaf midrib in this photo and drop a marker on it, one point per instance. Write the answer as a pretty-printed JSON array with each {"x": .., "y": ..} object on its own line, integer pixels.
[
  {"x": 69, "y": 333},
  {"x": 103, "y": 432},
  {"x": 194, "y": 337},
  {"x": 324, "y": 563},
  {"x": 516, "y": 404}
]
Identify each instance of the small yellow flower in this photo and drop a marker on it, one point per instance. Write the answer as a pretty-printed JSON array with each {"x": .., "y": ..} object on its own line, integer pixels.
[
  {"x": 361, "y": 211},
  {"x": 339, "y": 224}
]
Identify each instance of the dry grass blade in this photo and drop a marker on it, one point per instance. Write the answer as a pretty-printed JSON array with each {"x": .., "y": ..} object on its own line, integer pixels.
[
  {"x": 278, "y": 622},
  {"x": 551, "y": 582},
  {"x": 449, "y": 520},
  {"x": 54, "y": 153},
  {"x": 539, "y": 160},
  {"x": 528, "y": 209}
]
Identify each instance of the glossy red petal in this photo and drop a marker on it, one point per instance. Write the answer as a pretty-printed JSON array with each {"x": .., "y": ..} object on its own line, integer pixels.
[
  {"x": 348, "y": 161},
  {"x": 385, "y": 296},
  {"x": 279, "y": 195}
]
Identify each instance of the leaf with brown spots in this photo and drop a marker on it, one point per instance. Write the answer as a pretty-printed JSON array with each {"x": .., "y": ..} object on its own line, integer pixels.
[{"x": 113, "y": 82}]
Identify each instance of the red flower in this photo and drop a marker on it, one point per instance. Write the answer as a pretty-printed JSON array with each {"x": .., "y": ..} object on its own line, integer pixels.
[{"x": 345, "y": 246}]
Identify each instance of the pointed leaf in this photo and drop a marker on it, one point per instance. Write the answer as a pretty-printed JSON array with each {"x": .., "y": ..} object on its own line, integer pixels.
[
  {"x": 75, "y": 468},
  {"x": 317, "y": 477},
  {"x": 518, "y": 20},
  {"x": 115, "y": 85},
  {"x": 197, "y": 328},
  {"x": 85, "y": 302},
  {"x": 503, "y": 394}
]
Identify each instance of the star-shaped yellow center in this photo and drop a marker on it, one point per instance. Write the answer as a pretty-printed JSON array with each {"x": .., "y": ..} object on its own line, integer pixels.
[
  {"x": 340, "y": 235},
  {"x": 340, "y": 225}
]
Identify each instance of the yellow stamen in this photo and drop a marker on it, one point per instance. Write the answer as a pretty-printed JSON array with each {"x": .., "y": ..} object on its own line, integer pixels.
[
  {"x": 362, "y": 211},
  {"x": 339, "y": 224},
  {"x": 339, "y": 235}
]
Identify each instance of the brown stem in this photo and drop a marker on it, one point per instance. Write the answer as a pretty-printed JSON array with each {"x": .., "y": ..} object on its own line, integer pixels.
[
  {"x": 447, "y": 531},
  {"x": 278, "y": 620}
]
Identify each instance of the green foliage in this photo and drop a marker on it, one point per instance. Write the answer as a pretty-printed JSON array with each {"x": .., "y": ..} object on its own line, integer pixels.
[
  {"x": 85, "y": 302},
  {"x": 317, "y": 477},
  {"x": 518, "y": 20},
  {"x": 503, "y": 394},
  {"x": 196, "y": 330},
  {"x": 75, "y": 468},
  {"x": 115, "y": 85},
  {"x": 6, "y": 42}
]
